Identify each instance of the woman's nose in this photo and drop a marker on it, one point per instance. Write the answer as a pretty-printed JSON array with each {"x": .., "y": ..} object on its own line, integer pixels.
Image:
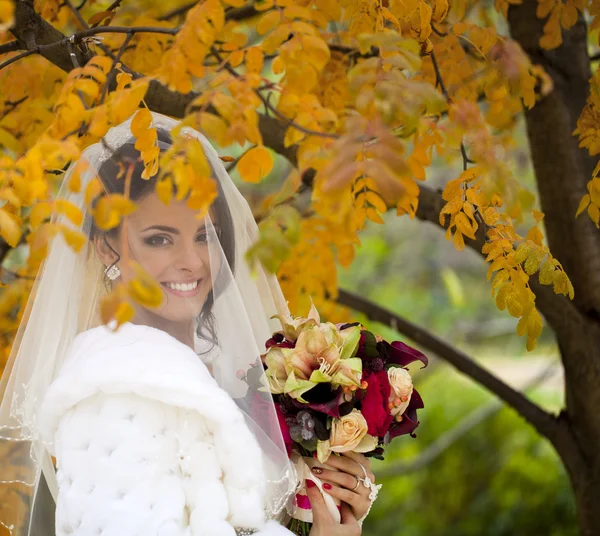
[{"x": 189, "y": 259}]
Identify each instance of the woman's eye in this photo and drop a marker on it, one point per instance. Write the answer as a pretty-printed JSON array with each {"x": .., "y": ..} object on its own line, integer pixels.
[
  {"x": 157, "y": 240},
  {"x": 202, "y": 238}
]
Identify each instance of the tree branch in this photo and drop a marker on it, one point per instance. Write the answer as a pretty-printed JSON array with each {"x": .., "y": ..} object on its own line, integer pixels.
[
  {"x": 237, "y": 13},
  {"x": 450, "y": 437},
  {"x": 543, "y": 421},
  {"x": 12, "y": 46}
]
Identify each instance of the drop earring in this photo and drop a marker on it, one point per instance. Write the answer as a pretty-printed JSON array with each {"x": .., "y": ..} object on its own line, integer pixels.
[{"x": 112, "y": 272}]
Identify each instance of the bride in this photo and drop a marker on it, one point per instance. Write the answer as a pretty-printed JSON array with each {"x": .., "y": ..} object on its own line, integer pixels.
[{"x": 153, "y": 428}]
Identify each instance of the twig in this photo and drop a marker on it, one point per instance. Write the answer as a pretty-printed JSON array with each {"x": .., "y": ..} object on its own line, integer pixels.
[
  {"x": 17, "y": 58},
  {"x": 543, "y": 421},
  {"x": 72, "y": 54},
  {"x": 112, "y": 7},
  {"x": 178, "y": 11},
  {"x": 268, "y": 105},
  {"x": 88, "y": 33},
  {"x": 12, "y": 46},
  {"x": 438, "y": 32},
  {"x": 114, "y": 29},
  {"x": 76, "y": 13},
  {"x": 114, "y": 64},
  {"x": 11, "y": 105},
  {"x": 243, "y": 13},
  {"x": 439, "y": 81}
]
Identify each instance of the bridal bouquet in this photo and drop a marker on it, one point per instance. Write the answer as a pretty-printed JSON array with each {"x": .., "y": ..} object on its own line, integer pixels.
[{"x": 337, "y": 388}]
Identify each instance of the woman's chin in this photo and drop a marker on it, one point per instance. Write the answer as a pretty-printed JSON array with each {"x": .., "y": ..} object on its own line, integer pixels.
[{"x": 180, "y": 312}]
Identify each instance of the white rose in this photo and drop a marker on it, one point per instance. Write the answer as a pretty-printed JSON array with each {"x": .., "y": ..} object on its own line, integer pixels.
[{"x": 402, "y": 389}]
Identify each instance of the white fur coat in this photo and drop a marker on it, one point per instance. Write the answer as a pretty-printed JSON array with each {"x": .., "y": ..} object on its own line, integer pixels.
[{"x": 147, "y": 444}]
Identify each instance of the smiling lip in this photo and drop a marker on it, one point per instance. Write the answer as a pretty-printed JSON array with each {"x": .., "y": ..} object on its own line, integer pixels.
[{"x": 184, "y": 293}]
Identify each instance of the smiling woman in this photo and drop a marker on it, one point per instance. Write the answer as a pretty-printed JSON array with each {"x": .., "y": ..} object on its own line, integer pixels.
[
  {"x": 169, "y": 241},
  {"x": 151, "y": 429}
]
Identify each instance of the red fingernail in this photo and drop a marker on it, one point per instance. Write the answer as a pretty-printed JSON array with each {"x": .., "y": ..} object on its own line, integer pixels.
[
  {"x": 315, "y": 455},
  {"x": 326, "y": 486},
  {"x": 310, "y": 484}
]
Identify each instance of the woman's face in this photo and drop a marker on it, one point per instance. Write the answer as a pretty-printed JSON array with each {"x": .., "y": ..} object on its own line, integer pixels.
[{"x": 171, "y": 243}]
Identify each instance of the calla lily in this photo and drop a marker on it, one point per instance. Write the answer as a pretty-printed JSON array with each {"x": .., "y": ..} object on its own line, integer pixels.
[
  {"x": 293, "y": 326},
  {"x": 276, "y": 370},
  {"x": 315, "y": 351},
  {"x": 350, "y": 337},
  {"x": 296, "y": 387},
  {"x": 349, "y": 372}
]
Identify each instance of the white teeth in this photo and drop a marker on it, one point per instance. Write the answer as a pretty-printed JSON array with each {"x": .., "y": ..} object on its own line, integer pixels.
[{"x": 183, "y": 286}]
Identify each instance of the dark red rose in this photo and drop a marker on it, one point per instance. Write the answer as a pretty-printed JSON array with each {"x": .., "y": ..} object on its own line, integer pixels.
[
  {"x": 262, "y": 414},
  {"x": 285, "y": 430},
  {"x": 374, "y": 405}
]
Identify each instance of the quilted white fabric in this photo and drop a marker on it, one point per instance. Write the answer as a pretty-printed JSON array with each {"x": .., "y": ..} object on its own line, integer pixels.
[{"x": 147, "y": 444}]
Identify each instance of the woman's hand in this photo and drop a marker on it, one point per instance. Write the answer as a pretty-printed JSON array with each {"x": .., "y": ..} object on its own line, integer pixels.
[
  {"x": 344, "y": 484},
  {"x": 323, "y": 523}
]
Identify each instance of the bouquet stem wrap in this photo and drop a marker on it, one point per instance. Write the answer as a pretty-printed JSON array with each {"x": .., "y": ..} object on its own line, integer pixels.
[{"x": 303, "y": 512}]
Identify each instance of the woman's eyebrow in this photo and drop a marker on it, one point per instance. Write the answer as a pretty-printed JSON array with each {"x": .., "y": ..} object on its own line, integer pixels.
[
  {"x": 172, "y": 230},
  {"x": 162, "y": 228}
]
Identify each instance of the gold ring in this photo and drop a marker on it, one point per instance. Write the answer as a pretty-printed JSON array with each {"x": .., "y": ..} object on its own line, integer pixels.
[{"x": 358, "y": 480}]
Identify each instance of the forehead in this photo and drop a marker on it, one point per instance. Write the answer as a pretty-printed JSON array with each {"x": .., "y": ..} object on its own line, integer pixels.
[{"x": 152, "y": 211}]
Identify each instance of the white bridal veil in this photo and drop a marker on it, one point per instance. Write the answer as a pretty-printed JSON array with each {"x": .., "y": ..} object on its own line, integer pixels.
[{"x": 65, "y": 301}]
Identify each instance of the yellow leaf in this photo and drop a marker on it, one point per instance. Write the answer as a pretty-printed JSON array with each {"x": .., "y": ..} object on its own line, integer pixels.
[
  {"x": 268, "y": 22},
  {"x": 67, "y": 208},
  {"x": 10, "y": 228},
  {"x": 375, "y": 200},
  {"x": 236, "y": 58},
  {"x": 110, "y": 209},
  {"x": 123, "y": 80},
  {"x": 535, "y": 235},
  {"x": 97, "y": 18},
  {"x": 458, "y": 241},
  {"x": 535, "y": 323},
  {"x": 141, "y": 122},
  {"x": 546, "y": 274},
  {"x": 254, "y": 60},
  {"x": 146, "y": 140},
  {"x": 73, "y": 238},
  {"x": 464, "y": 225},
  {"x": 9, "y": 141},
  {"x": 88, "y": 87},
  {"x": 164, "y": 190},
  {"x": 522, "y": 252},
  {"x": 75, "y": 179},
  {"x": 374, "y": 216},
  {"x": 533, "y": 261},
  {"x": 115, "y": 307},
  {"x": 144, "y": 289},
  {"x": 39, "y": 213},
  {"x": 255, "y": 164},
  {"x": 583, "y": 204},
  {"x": 93, "y": 190},
  {"x": 594, "y": 213}
]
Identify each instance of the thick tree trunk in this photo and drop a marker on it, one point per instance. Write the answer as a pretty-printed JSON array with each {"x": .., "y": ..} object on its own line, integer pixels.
[{"x": 562, "y": 171}]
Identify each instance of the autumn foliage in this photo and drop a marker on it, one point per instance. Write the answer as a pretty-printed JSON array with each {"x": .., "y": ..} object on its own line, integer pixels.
[{"x": 366, "y": 92}]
